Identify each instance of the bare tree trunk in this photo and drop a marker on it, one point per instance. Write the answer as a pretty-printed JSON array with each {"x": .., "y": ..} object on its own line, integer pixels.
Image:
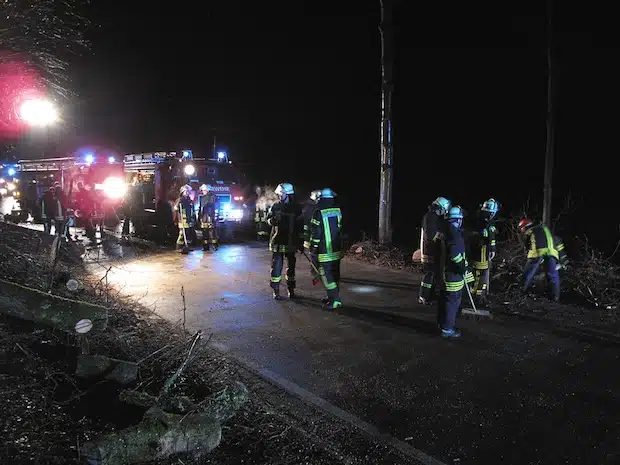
[
  {"x": 550, "y": 148},
  {"x": 385, "y": 195}
]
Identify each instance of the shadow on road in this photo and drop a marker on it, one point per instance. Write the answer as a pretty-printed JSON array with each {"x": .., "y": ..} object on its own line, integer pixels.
[{"x": 372, "y": 316}]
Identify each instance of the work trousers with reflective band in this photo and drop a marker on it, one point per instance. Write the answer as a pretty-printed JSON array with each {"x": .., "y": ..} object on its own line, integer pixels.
[
  {"x": 449, "y": 300},
  {"x": 181, "y": 238},
  {"x": 553, "y": 276},
  {"x": 427, "y": 285},
  {"x": 330, "y": 275},
  {"x": 209, "y": 233},
  {"x": 481, "y": 280},
  {"x": 184, "y": 225},
  {"x": 277, "y": 264}
]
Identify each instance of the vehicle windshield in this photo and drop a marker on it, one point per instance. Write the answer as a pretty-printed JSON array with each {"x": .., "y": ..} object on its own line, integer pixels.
[{"x": 227, "y": 174}]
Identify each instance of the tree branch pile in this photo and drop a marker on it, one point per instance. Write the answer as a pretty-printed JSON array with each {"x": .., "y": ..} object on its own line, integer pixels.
[
  {"x": 371, "y": 251},
  {"x": 592, "y": 278}
]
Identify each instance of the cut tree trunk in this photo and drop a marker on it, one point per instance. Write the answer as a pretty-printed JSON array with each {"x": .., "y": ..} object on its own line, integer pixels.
[
  {"x": 99, "y": 366},
  {"x": 160, "y": 435},
  {"x": 61, "y": 313},
  {"x": 220, "y": 407}
]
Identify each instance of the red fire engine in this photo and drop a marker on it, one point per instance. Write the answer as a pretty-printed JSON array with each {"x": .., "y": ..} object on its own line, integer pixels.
[
  {"x": 105, "y": 178},
  {"x": 160, "y": 175}
]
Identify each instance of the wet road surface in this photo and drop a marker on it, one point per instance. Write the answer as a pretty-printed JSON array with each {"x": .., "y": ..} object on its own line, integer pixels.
[{"x": 507, "y": 392}]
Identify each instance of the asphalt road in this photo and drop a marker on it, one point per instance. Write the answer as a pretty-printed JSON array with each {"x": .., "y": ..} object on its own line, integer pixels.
[{"x": 507, "y": 392}]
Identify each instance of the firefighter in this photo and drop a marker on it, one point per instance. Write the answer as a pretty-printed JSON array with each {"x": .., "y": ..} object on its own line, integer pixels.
[
  {"x": 542, "y": 248},
  {"x": 285, "y": 219},
  {"x": 59, "y": 209},
  {"x": 207, "y": 211},
  {"x": 452, "y": 270},
  {"x": 86, "y": 206},
  {"x": 307, "y": 213},
  {"x": 326, "y": 245},
  {"x": 433, "y": 223},
  {"x": 481, "y": 250},
  {"x": 47, "y": 205},
  {"x": 260, "y": 216},
  {"x": 184, "y": 209}
]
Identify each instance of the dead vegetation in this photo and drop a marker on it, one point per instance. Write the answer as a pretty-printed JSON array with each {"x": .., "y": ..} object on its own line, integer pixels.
[
  {"x": 53, "y": 415},
  {"x": 369, "y": 250}
]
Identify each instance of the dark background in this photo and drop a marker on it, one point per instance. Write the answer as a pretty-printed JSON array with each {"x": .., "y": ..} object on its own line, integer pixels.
[{"x": 293, "y": 90}]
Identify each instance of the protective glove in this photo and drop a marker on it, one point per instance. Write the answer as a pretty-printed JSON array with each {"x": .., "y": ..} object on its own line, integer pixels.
[{"x": 491, "y": 255}]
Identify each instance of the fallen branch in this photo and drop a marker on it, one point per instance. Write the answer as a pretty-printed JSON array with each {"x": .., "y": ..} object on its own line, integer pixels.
[
  {"x": 51, "y": 310},
  {"x": 99, "y": 366}
]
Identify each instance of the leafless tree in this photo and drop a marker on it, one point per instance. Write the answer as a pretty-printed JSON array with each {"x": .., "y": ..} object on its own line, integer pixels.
[{"x": 44, "y": 34}]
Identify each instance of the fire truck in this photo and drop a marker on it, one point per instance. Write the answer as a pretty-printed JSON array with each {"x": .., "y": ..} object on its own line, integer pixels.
[
  {"x": 103, "y": 176},
  {"x": 158, "y": 176}
]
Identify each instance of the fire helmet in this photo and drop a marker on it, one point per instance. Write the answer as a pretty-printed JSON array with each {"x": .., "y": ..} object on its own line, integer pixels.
[
  {"x": 285, "y": 188},
  {"x": 491, "y": 206},
  {"x": 525, "y": 224},
  {"x": 185, "y": 189},
  {"x": 442, "y": 204},
  {"x": 455, "y": 213},
  {"x": 327, "y": 193},
  {"x": 205, "y": 188}
]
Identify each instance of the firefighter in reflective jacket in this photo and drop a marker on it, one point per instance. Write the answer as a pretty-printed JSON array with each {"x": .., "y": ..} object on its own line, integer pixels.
[
  {"x": 307, "y": 213},
  {"x": 286, "y": 223},
  {"x": 542, "y": 248},
  {"x": 208, "y": 217},
  {"x": 452, "y": 271},
  {"x": 433, "y": 222},
  {"x": 326, "y": 245},
  {"x": 481, "y": 250},
  {"x": 184, "y": 209}
]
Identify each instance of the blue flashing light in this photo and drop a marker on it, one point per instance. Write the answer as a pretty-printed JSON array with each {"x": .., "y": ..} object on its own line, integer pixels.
[
  {"x": 11, "y": 171},
  {"x": 89, "y": 158},
  {"x": 226, "y": 207},
  {"x": 221, "y": 155},
  {"x": 111, "y": 159}
]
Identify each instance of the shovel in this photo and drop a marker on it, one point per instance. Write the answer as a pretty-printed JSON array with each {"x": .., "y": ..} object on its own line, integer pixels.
[{"x": 473, "y": 311}]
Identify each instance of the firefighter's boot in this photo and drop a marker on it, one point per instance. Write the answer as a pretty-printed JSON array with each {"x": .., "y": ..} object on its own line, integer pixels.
[
  {"x": 332, "y": 304},
  {"x": 291, "y": 293},
  {"x": 275, "y": 287}
]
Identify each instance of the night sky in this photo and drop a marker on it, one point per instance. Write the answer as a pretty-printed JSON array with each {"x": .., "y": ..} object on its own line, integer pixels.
[{"x": 293, "y": 90}]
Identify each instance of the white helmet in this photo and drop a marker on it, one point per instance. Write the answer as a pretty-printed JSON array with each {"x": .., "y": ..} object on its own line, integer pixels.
[
  {"x": 185, "y": 189},
  {"x": 327, "y": 193},
  {"x": 205, "y": 188},
  {"x": 315, "y": 195},
  {"x": 285, "y": 188}
]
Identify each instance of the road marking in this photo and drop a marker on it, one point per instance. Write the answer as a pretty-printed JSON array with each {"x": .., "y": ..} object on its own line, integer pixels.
[{"x": 326, "y": 406}]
